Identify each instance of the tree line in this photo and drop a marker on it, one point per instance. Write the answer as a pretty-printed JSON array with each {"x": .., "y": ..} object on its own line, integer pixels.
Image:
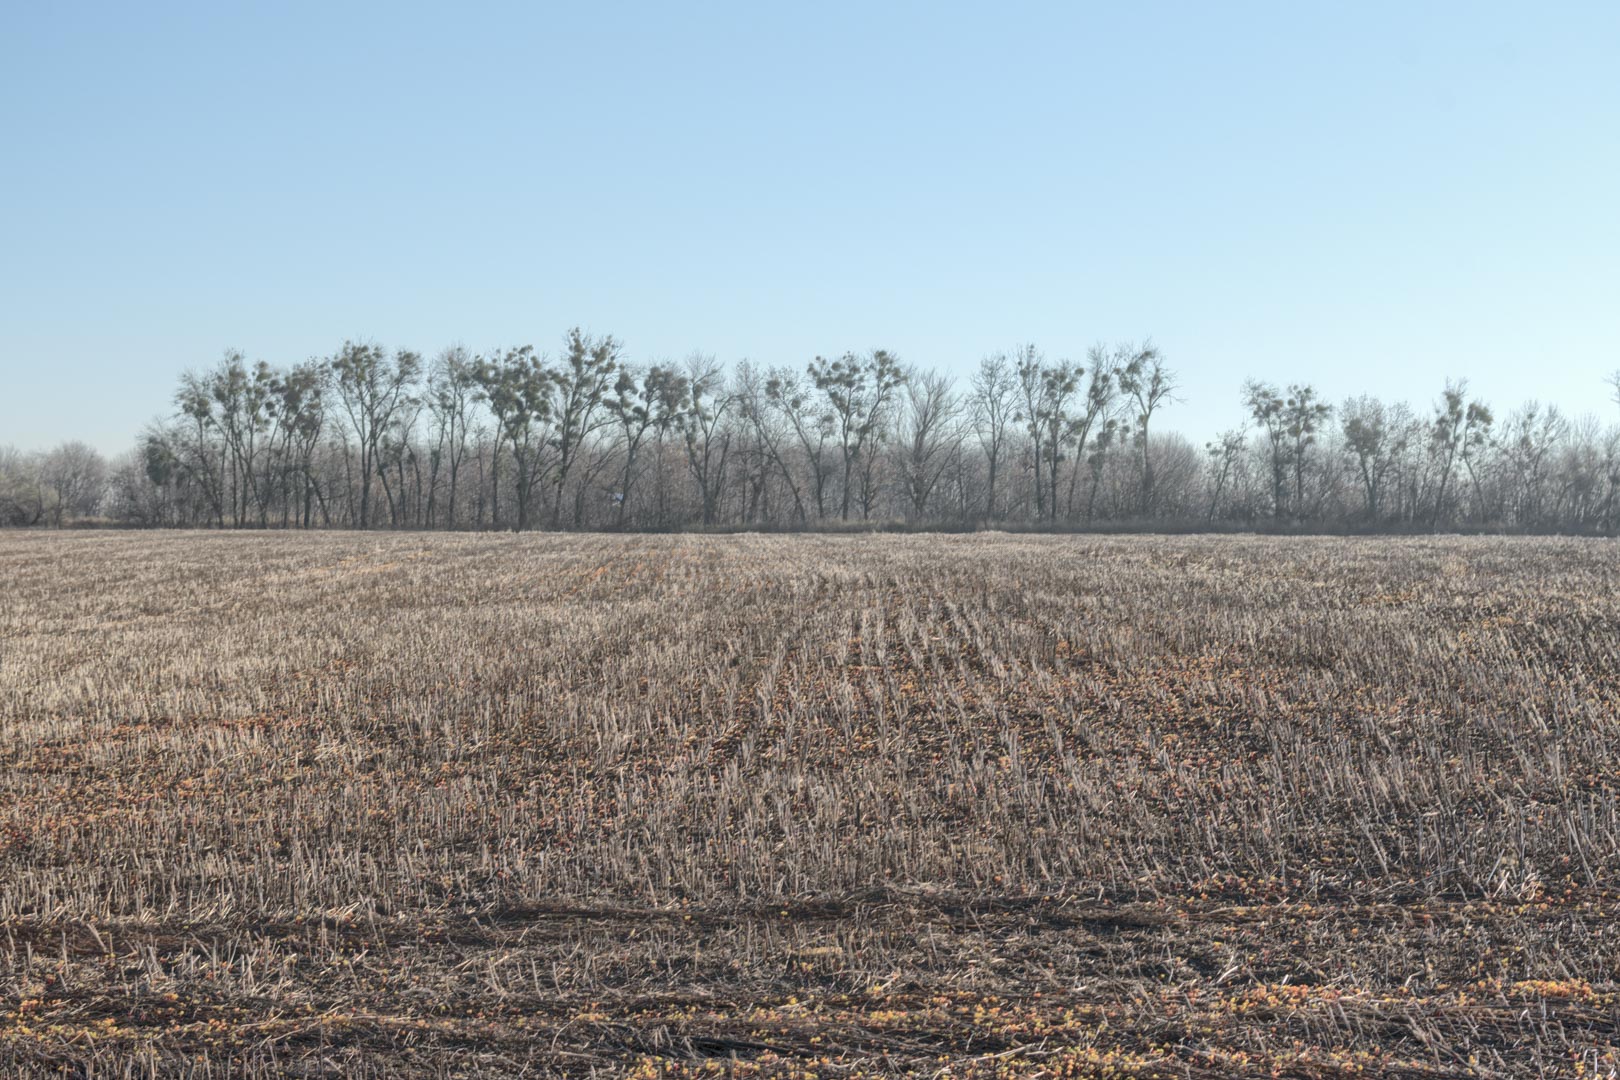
[{"x": 587, "y": 439}]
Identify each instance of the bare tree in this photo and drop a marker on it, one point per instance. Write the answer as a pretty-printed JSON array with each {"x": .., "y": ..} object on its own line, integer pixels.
[
  {"x": 642, "y": 402},
  {"x": 929, "y": 436},
  {"x": 74, "y": 476},
  {"x": 702, "y": 419},
  {"x": 23, "y": 501},
  {"x": 1093, "y": 419},
  {"x": 452, "y": 389},
  {"x": 1266, "y": 406},
  {"x": 1061, "y": 382},
  {"x": 1045, "y": 391},
  {"x": 1224, "y": 454},
  {"x": 373, "y": 387},
  {"x": 812, "y": 425},
  {"x": 518, "y": 387},
  {"x": 243, "y": 408},
  {"x": 1376, "y": 443},
  {"x": 1304, "y": 413},
  {"x": 1145, "y": 379},
  {"x": 1533, "y": 431},
  {"x": 993, "y": 406},
  {"x": 191, "y": 445},
  {"x": 397, "y": 450},
  {"x": 859, "y": 392},
  {"x": 1456, "y": 426},
  {"x": 1102, "y": 444},
  {"x": 586, "y": 371},
  {"x": 757, "y": 402}
]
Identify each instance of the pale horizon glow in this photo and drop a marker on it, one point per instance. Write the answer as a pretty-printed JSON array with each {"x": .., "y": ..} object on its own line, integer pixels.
[{"x": 1369, "y": 198}]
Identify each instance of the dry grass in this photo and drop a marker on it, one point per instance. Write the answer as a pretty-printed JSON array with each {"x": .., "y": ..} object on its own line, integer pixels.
[{"x": 498, "y": 806}]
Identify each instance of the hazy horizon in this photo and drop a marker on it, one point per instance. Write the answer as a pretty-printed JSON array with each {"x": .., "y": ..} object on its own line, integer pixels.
[{"x": 1371, "y": 200}]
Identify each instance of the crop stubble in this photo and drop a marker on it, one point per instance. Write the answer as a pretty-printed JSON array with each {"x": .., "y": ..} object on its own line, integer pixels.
[{"x": 514, "y": 805}]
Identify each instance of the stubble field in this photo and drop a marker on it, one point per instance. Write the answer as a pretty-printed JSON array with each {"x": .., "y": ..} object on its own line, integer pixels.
[{"x": 409, "y": 805}]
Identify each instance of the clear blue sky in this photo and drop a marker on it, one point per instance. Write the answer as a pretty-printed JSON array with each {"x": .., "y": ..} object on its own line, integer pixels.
[{"x": 1367, "y": 196}]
